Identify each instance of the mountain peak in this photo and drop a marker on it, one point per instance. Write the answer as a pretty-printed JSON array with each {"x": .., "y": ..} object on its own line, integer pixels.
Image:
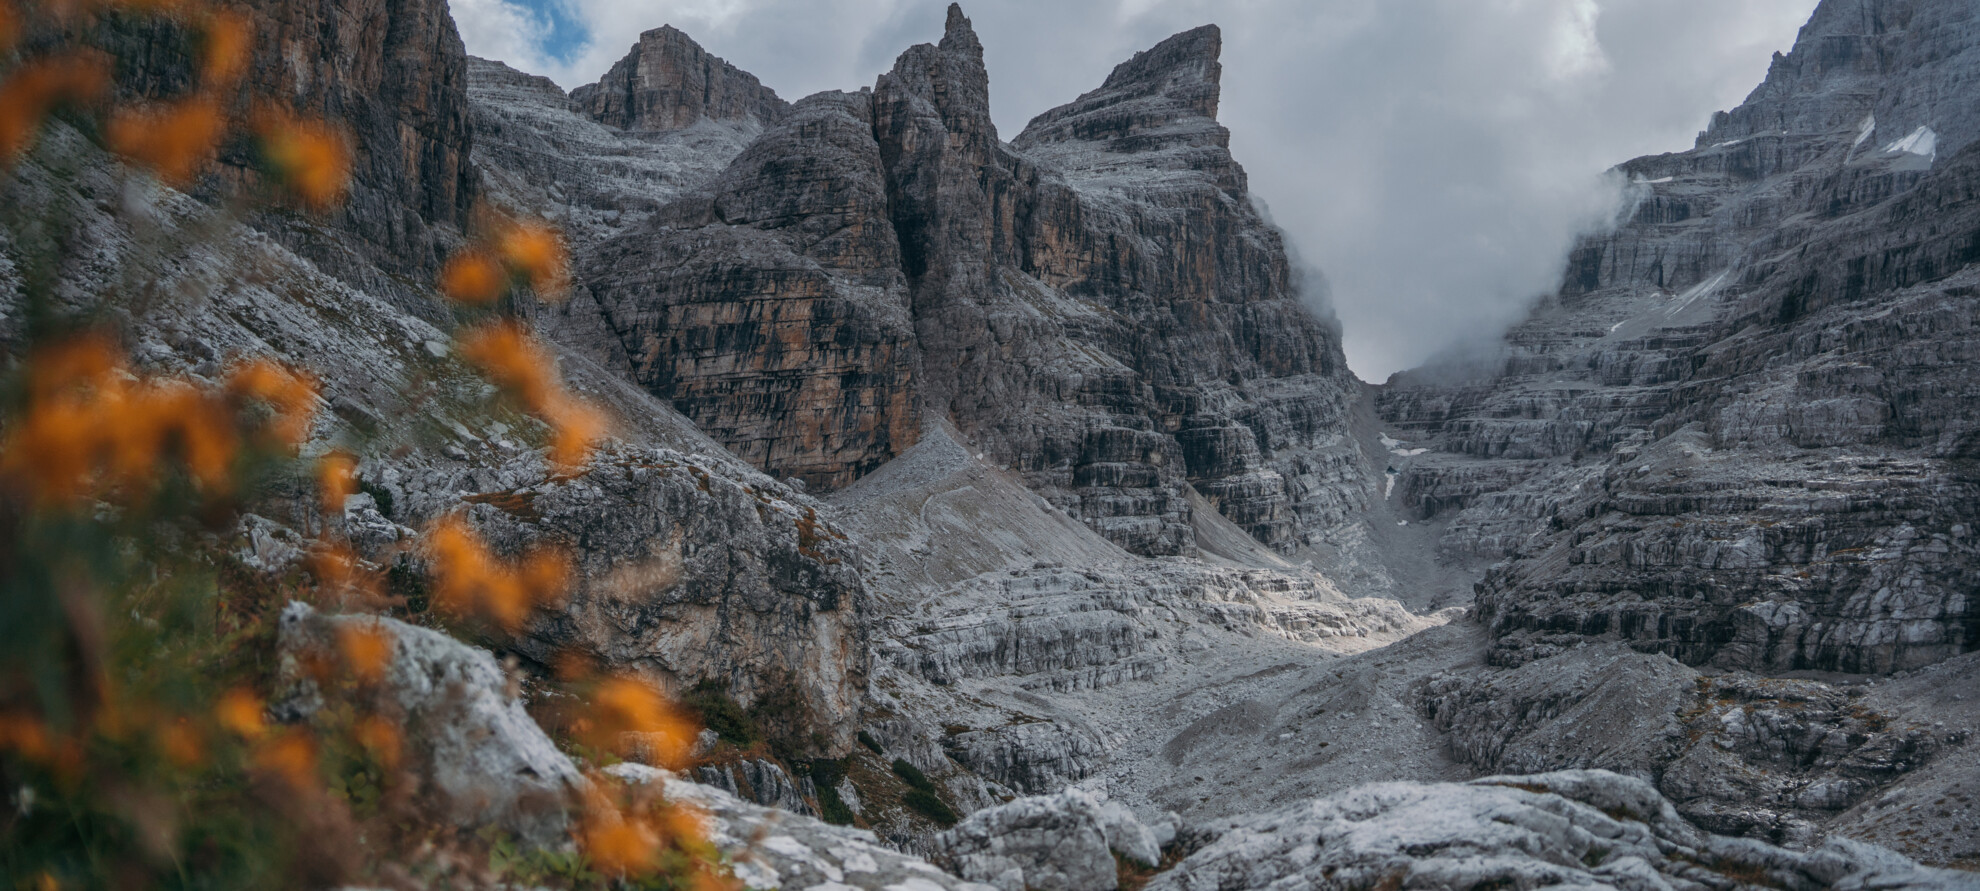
[
  {"x": 667, "y": 82},
  {"x": 1176, "y": 81},
  {"x": 1183, "y": 67}
]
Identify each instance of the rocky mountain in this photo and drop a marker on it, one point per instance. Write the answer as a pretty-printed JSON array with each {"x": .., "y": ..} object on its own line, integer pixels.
[
  {"x": 1740, "y": 432},
  {"x": 1740, "y": 435},
  {"x": 1096, "y": 305},
  {"x": 1017, "y": 485}
]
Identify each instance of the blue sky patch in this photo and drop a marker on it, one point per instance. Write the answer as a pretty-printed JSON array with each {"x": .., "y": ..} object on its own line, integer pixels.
[{"x": 564, "y": 35}]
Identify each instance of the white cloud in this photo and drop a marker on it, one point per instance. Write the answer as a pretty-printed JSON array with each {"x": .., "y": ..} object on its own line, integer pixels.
[{"x": 1434, "y": 157}]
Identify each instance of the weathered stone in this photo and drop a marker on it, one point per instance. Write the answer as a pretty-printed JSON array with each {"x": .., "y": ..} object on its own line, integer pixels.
[
  {"x": 668, "y": 82},
  {"x": 1582, "y": 829},
  {"x": 1737, "y": 434},
  {"x": 481, "y": 759}
]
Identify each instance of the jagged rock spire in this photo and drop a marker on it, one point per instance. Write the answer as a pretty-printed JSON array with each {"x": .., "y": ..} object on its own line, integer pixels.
[
  {"x": 1175, "y": 82},
  {"x": 668, "y": 82}
]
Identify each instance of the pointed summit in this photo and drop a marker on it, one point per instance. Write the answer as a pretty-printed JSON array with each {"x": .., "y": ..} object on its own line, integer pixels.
[
  {"x": 1172, "y": 87},
  {"x": 948, "y": 76},
  {"x": 668, "y": 82}
]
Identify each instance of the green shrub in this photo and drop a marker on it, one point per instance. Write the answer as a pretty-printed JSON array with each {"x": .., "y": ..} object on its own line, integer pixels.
[
  {"x": 925, "y": 803},
  {"x": 913, "y": 776},
  {"x": 710, "y": 700},
  {"x": 867, "y": 740}
]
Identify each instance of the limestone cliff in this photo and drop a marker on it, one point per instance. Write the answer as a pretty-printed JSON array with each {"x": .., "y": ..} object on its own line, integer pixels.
[
  {"x": 1741, "y": 432},
  {"x": 1096, "y": 306}
]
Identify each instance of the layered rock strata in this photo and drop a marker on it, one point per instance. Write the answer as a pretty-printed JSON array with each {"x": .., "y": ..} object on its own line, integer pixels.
[
  {"x": 1739, "y": 433},
  {"x": 1096, "y": 306},
  {"x": 668, "y": 82},
  {"x": 393, "y": 75}
]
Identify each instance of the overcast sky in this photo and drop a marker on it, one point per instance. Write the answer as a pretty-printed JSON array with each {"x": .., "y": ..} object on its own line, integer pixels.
[{"x": 1434, "y": 158}]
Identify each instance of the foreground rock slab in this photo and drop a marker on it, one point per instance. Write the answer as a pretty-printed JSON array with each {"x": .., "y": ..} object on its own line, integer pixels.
[
  {"x": 484, "y": 760},
  {"x": 1571, "y": 829}
]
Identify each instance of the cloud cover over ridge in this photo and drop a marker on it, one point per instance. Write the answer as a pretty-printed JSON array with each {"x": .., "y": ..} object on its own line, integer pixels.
[{"x": 1434, "y": 158}]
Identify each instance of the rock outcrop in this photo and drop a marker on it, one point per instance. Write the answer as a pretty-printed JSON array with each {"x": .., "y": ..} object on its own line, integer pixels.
[
  {"x": 394, "y": 75},
  {"x": 480, "y": 759},
  {"x": 1740, "y": 433},
  {"x": 1063, "y": 842},
  {"x": 1583, "y": 829},
  {"x": 1096, "y": 306},
  {"x": 685, "y": 573},
  {"x": 668, "y": 82}
]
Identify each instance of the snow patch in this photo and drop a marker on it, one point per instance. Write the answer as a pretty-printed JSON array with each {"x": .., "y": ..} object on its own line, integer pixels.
[
  {"x": 1922, "y": 142},
  {"x": 1863, "y": 132}
]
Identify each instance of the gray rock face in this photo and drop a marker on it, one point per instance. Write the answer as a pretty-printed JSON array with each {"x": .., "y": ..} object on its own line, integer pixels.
[
  {"x": 1758, "y": 757},
  {"x": 770, "y": 848},
  {"x": 1060, "y": 842},
  {"x": 1580, "y": 829},
  {"x": 686, "y": 573},
  {"x": 1737, "y": 434},
  {"x": 759, "y": 781},
  {"x": 482, "y": 759},
  {"x": 1097, "y": 306},
  {"x": 539, "y": 155},
  {"x": 668, "y": 82}
]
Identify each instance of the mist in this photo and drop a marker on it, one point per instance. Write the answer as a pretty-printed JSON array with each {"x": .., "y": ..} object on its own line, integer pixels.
[{"x": 1433, "y": 160}]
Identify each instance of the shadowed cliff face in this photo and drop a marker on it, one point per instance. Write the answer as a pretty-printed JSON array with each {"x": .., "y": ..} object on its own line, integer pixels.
[
  {"x": 1741, "y": 432},
  {"x": 394, "y": 74},
  {"x": 669, "y": 82},
  {"x": 1097, "y": 306}
]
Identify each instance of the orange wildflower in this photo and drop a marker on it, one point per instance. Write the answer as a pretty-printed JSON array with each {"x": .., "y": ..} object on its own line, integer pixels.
[
  {"x": 469, "y": 580},
  {"x": 86, "y": 416},
  {"x": 381, "y": 738},
  {"x": 575, "y": 427},
  {"x": 228, "y": 46},
  {"x": 367, "y": 650},
  {"x": 292, "y": 395},
  {"x": 27, "y": 736},
  {"x": 535, "y": 252},
  {"x": 521, "y": 366},
  {"x": 240, "y": 712},
  {"x": 623, "y": 705},
  {"x": 311, "y": 158},
  {"x": 174, "y": 139},
  {"x": 181, "y": 743},
  {"x": 621, "y": 846},
  {"x": 291, "y": 757},
  {"x": 473, "y": 277},
  {"x": 36, "y": 88},
  {"x": 336, "y": 480}
]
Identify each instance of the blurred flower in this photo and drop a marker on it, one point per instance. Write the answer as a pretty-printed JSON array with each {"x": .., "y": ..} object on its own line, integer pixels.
[
  {"x": 381, "y": 738},
  {"x": 535, "y": 252},
  {"x": 575, "y": 426},
  {"x": 89, "y": 421},
  {"x": 36, "y": 88},
  {"x": 223, "y": 57},
  {"x": 367, "y": 650},
  {"x": 26, "y": 736},
  {"x": 469, "y": 580},
  {"x": 290, "y": 756},
  {"x": 624, "y": 705},
  {"x": 174, "y": 139},
  {"x": 336, "y": 480},
  {"x": 618, "y": 846},
  {"x": 290, "y": 394},
  {"x": 182, "y": 744},
  {"x": 473, "y": 277},
  {"x": 312, "y": 159},
  {"x": 9, "y": 26},
  {"x": 240, "y": 712},
  {"x": 527, "y": 371}
]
